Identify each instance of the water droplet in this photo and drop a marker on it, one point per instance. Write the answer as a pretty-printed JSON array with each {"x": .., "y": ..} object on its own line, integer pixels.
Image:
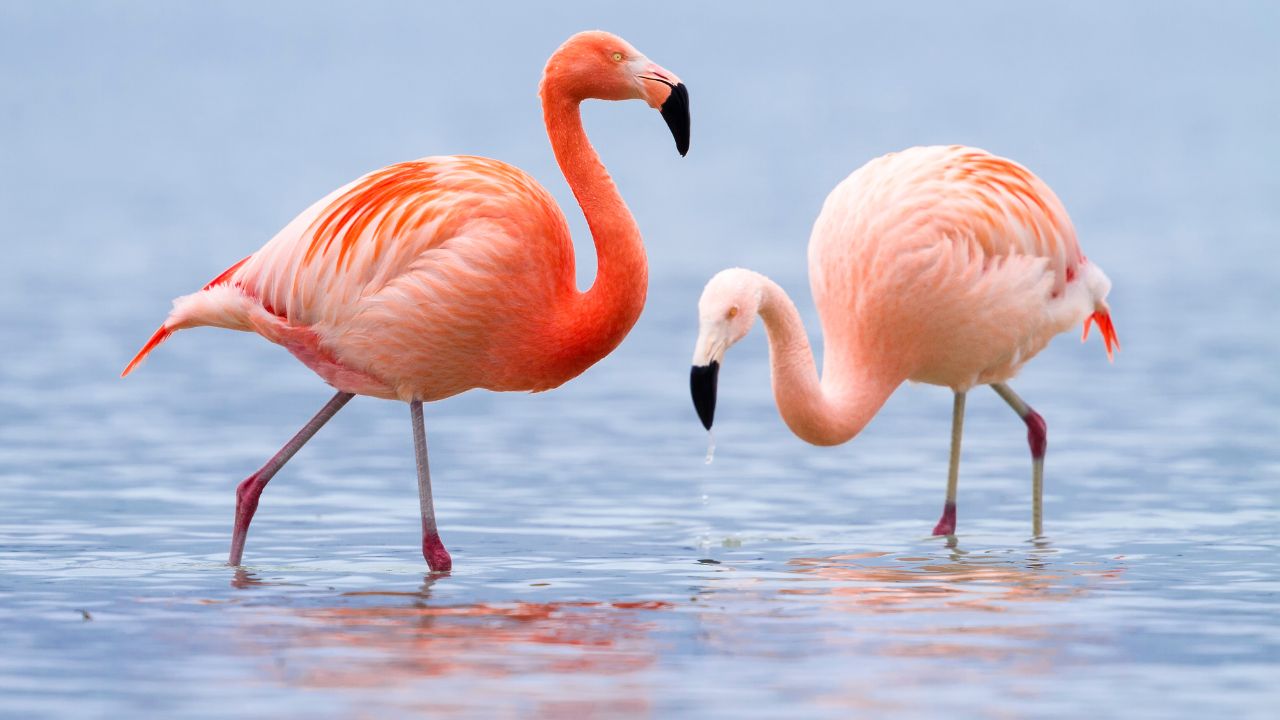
[{"x": 711, "y": 446}]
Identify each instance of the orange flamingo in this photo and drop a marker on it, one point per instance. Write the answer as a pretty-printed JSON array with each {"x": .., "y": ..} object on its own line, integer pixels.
[
  {"x": 432, "y": 277},
  {"x": 941, "y": 265}
]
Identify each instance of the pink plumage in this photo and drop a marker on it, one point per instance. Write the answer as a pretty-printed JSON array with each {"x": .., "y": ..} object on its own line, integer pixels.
[
  {"x": 949, "y": 266},
  {"x": 941, "y": 265}
]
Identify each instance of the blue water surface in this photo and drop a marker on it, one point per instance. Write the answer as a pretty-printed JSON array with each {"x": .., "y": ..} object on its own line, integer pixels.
[{"x": 601, "y": 568}]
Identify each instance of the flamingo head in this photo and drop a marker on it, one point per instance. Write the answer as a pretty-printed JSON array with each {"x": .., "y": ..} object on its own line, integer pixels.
[
  {"x": 728, "y": 308},
  {"x": 602, "y": 66}
]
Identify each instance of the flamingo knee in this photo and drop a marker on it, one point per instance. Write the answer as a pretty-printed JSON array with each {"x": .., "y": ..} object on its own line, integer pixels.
[
  {"x": 1037, "y": 434},
  {"x": 247, "y": 494}
]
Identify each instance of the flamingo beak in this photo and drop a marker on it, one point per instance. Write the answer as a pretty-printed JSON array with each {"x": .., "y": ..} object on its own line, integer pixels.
[
  {"x": 674, "y": 107},
  {"x": 676, "y": 112},
  {"x": 702, "y": 385}
]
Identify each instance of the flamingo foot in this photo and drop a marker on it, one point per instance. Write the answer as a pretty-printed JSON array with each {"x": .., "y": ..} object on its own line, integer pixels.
[
  {"x": 247, "y": 494},
  {"x": 433, "y": 551},
  {"x": 947, "y": 524}
]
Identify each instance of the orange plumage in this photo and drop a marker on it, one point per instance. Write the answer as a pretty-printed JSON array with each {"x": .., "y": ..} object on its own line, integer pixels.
[{"x": 436, "y": 276}]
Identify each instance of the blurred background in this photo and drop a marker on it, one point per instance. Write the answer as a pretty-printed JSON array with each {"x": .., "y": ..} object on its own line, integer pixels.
[{"x": 601, "y": 568}]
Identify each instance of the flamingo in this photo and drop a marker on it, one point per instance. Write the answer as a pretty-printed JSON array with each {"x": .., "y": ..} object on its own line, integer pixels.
[
  {"x": 432, "y": 277},
  {"x": 942, "y": 265}
]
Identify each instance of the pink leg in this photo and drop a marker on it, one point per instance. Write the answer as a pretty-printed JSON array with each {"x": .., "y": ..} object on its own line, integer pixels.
[
  {"x": 1038, "y": 441},
  {"x": 248, "y": 492},
  {"x": 432, "y": 548},
  {"x": 947, "y": 524}
]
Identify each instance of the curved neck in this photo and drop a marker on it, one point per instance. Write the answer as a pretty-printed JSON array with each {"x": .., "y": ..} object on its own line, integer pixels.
[
  {"x": 826, "y": 411},
  {"x": 591, "y": 324}
]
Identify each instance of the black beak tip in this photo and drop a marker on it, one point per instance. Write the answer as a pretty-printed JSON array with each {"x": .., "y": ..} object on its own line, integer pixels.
[
  {"x": 702, "y": 385},
  {"x": 676, "y": 112}
]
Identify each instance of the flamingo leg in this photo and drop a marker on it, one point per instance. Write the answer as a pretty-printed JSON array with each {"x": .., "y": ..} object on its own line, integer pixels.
[
  {"x": 1038, "y": 439},
  {"x": 432, "y": 548},
  {"x": 248, "y": 492},
  {"x": 947, "y": 524}
]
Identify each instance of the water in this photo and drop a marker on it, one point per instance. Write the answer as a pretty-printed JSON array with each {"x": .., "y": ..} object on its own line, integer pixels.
[{"x": 602, "y": 569}]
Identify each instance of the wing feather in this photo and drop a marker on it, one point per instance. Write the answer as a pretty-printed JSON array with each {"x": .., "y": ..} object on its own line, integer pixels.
[
  {"x": 959, "y": 193},
  {"x": 354, "y": 242},
  {"x": 1021, "y": 214}
]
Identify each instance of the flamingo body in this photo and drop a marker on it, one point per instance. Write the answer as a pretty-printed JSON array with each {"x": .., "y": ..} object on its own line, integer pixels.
[
  {"x": 942, "y": 265},
  {"x": 418, "y": 281},
  {"x": 949, "y": 266},
  {"x": 432, "y": 277}
]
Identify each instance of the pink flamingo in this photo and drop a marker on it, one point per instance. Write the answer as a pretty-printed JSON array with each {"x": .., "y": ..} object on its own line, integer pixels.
[
  {"x": 432, "y": 277},
  {"x": 941, "y": 265}
]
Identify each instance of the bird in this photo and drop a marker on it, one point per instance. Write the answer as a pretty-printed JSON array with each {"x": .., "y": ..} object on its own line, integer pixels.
[
  {"x": 431, "y": 277},
  {"x": 944, "y": 265}
]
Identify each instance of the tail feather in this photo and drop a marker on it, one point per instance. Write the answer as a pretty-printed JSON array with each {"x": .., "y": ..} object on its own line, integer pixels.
[
  {"x": 180, "y": 318},
  {"x": 226, "y": 274},
  {"x": 1107, "y": 328},
  {"x": 158, "y": 337}
]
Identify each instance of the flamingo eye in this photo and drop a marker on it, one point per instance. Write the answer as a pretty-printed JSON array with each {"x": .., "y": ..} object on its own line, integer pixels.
[
  {"x": 617, "y": 57},
  {"x": 733, "y": 312}
]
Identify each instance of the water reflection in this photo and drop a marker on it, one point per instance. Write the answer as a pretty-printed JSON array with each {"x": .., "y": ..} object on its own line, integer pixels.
[
  {"x": 969, "y": 605},
  {"x": 958, "y": 581},
  {"x": 388, "y": 638}
]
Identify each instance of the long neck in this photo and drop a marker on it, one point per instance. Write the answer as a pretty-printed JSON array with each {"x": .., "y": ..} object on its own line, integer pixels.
[
  {"x": 826, "y": 411},
  {"x": 589, "y": 325}
]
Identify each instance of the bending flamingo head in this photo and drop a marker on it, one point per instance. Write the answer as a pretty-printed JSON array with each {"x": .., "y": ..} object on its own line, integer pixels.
[
  {"x": 602, "y": 66},
  {"x": 728, "y": 308}
]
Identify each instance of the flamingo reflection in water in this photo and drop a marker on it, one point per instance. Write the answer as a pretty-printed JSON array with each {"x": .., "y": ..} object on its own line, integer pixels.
[
  {"x": 388, "y": 639},
  {"x": 964, "y": 604}
]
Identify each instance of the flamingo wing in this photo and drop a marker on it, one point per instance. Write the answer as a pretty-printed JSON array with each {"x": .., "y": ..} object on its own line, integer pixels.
[
  {"x": 1022, "y": 215},
  {"x": 969, "y": 195},
  {"x": 354, "y": 243},
  {"x": 955, "y": 248},
  {"x": 421, "y": 219}
]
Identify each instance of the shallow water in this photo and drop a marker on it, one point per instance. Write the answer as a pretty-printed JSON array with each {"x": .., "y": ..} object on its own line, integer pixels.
[{"x": 602, "y": 569}]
